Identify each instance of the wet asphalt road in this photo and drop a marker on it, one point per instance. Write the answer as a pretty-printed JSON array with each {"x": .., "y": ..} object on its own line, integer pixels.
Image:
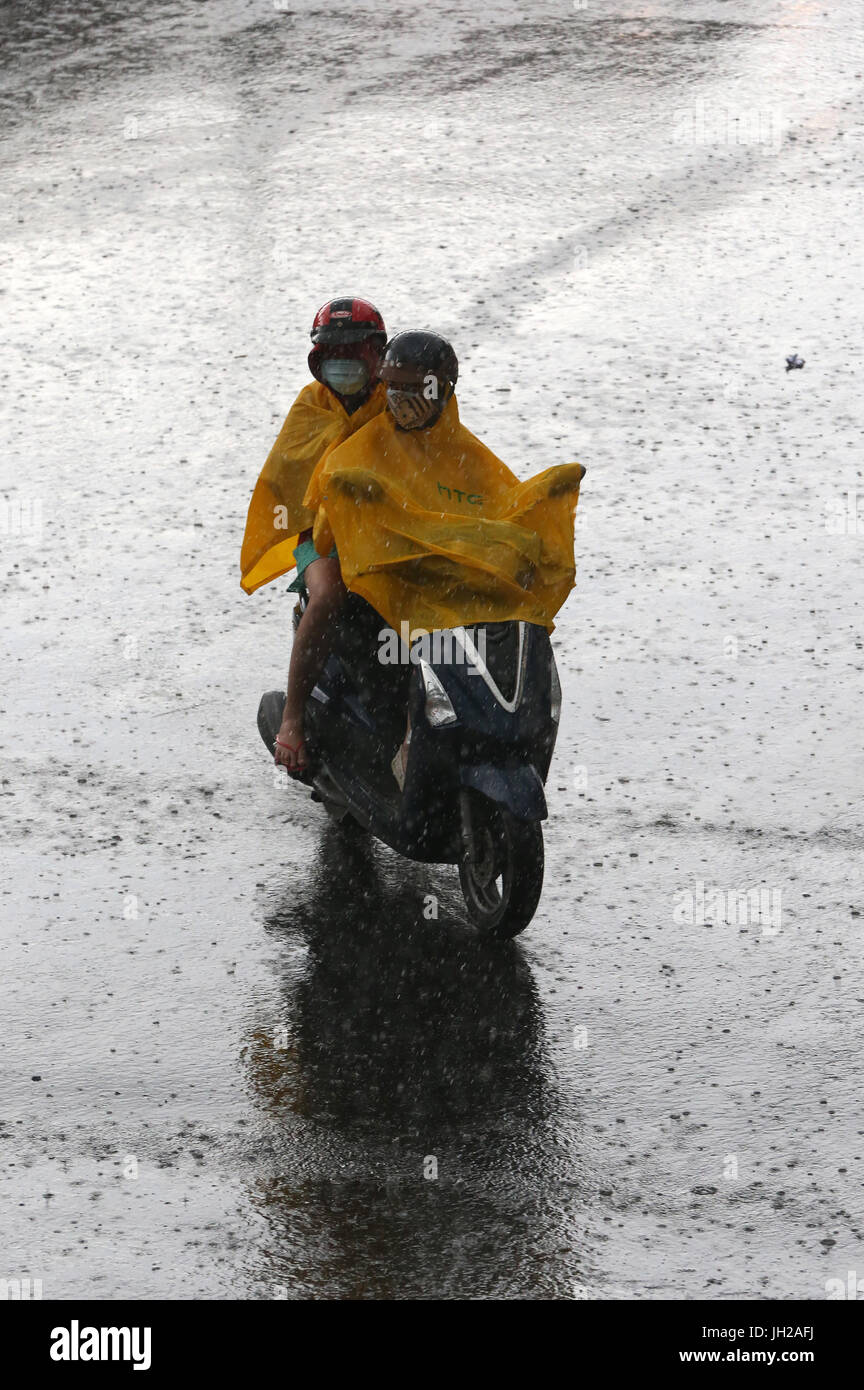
[{"x": 235, "y": 1054}]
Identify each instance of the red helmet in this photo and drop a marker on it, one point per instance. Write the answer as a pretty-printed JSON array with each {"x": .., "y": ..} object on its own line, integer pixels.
[
  {"x": 343, "y": 321},
  {"x": 348, "y": 328}
]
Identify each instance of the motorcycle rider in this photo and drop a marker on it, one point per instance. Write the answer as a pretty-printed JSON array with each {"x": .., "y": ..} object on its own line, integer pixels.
[
  {"x": 420, "y": 371},
  {"x": 348, "y": 339},
  {"x": 434, "y": 529}
]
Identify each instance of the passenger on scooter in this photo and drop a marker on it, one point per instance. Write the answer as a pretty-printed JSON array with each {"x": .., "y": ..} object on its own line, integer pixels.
[{"x": 348, "y": 337}]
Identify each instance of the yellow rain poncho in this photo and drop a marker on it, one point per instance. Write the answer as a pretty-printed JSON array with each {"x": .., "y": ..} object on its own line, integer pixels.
[
  {"x": 316, "y": 423},
  {"x": 434, "y": 530}
]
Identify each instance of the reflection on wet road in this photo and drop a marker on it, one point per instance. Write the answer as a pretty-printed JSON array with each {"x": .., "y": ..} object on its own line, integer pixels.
[{"x": 407, "y": 1097}]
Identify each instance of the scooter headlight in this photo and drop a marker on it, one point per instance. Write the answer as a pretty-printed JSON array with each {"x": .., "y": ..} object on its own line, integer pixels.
[
  {"x": 439, "y": 710},
  {"x": 555, "y": 698}
]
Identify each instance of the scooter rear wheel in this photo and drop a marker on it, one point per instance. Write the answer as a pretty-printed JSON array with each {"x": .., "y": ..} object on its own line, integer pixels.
[{"x": 500, "y": 867}]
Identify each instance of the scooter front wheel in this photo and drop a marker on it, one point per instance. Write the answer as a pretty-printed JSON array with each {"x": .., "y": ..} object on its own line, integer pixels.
[{"x": 500, "y": 867}]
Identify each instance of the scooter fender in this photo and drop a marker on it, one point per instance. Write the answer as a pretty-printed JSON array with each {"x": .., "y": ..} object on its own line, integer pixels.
[{"x": 518, "y": 788}]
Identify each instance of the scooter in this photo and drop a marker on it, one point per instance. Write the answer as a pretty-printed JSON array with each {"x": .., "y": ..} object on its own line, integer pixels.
[{"x": 440, "y": 747}]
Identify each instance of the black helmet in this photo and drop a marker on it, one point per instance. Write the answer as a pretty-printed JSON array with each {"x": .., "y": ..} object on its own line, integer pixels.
[
  {"x": 410, "y": 358},
  {"x": 420, "y": 371}
]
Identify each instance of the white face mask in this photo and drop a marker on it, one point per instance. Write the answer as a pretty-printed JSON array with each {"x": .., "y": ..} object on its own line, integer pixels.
[{"x": 344, "y": 375}]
